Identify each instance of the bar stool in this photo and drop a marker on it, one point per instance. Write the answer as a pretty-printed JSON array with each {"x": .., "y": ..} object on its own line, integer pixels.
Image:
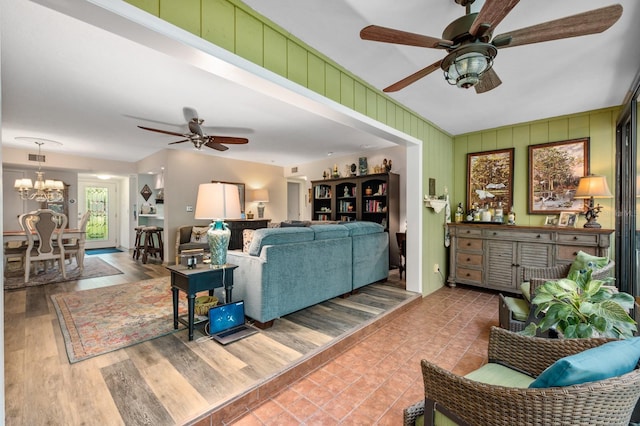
[
  {"x": 153, "y": 245},
  {"x": 139, "y": 242}
]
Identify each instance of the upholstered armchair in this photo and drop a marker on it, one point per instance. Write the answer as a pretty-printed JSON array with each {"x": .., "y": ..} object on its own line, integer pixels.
[
  {"x": 498, "y": 392},
  {"x": 190, "y": 237}
]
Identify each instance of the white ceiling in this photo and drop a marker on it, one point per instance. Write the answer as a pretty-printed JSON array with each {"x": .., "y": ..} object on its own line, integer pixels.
[{"x": 74, "y": 82}]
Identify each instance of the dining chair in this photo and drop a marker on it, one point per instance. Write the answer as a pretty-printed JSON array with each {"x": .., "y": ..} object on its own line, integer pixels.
[
  {"x": 72, "y": 247},
  {"x": 43, "y": 242}
]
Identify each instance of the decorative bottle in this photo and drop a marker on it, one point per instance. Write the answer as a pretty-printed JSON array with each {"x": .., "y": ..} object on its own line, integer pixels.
[
  {"x": 511, "y": 219},
  {"x": 459, "y": 217},
  {"x": 499, "y": 213}
]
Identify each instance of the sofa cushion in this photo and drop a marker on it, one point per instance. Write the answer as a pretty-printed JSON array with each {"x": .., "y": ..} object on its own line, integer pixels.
[
  {"x": 199, "y": 234},
  {"x": 584, "y": 262},
  {"x": 363, "y": 228},
  {"x": 519, "y": 308},
  {"x": 609, "y": 360},
  {"x": 498, "y": 374},
  {"x": 273, "y": 236},
  {"x": 327, "y": 232},
  {"x": 189, "y": 246},
  {"x": 525, "y": 287}
]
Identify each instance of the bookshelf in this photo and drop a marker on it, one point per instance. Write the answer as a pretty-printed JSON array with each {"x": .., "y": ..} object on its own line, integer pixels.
[{"x": 371, "y": 198}]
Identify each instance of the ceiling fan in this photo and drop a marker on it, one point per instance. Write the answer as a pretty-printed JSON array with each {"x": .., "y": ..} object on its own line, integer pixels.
[
  {"x": 470, "y": 45},
  {"x": 197, "y": 135}
]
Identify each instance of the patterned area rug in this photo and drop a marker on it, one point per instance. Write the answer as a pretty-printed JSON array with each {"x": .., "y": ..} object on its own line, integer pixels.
[
  {"x": 93, "y": 267},
  {"x": 102, "y": 320}
]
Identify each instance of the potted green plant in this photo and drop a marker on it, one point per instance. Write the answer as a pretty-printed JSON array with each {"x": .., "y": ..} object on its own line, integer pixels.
[{"x": 579, "y": 307}]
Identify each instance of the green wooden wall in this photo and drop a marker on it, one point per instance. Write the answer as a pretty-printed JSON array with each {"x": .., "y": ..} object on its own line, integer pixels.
[
  {"x": 232, "y": 25},
  {"x": 599, "y": 126}
]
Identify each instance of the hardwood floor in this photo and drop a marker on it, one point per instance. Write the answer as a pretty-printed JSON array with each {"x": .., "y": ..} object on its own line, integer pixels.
[{"x": 170, "y": 380}]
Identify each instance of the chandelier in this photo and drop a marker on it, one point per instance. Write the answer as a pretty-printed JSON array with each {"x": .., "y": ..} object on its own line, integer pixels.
[{"x": 43, "y": 190}]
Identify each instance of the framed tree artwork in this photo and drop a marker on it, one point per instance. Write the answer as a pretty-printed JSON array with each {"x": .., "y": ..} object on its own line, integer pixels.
[
  {"x": 490, "y": 178},
  {"x": 555, "y": 170}
]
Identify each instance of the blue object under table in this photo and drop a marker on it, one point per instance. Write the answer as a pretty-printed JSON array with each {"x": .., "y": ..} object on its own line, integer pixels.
[{"x": 193, "y": 281}]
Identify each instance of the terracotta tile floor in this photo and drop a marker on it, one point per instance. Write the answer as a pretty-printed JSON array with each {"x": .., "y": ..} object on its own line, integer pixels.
[{"x": 373, "y": 381}]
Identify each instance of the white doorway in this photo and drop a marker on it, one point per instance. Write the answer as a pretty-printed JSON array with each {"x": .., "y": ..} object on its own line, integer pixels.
[
  {"x": 294, "y": 190},
  {"x": 101, "y": 198}
]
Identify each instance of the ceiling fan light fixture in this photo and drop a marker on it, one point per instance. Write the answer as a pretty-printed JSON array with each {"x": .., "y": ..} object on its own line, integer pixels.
[{"x": 464, "y": 66}]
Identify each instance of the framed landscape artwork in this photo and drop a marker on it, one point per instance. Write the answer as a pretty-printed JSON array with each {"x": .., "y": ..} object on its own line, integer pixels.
[
  {"x": 555, "y": 170},
  {"x": 490, "y": 178}
]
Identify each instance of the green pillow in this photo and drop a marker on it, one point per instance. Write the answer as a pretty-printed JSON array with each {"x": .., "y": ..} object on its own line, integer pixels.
[
  {"x": 603, "y": 362},
  {"x": 585, "y": 262},
  {"x": 525, "y": 287}
]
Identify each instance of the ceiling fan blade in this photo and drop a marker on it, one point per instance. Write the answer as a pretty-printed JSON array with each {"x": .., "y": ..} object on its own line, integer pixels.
[
  {"x": 189, "y": 114},
  {"x": 591, "y": 22},
  {"x": 228, "y": 139},
  {"x": 194, "y": 127},
  {"x": 216, "y": 146},
  {"x": 389, "y": 35},
  {"x": 166, "y": 132},
  {"x": 491, "y": 14},
  {"x": 413, "y": 77},
  {"x": 186, "y": 140},
  {"x": 488, "y": 81}
]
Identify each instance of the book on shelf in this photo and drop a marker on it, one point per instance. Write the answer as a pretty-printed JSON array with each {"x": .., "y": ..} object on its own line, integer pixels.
[
  {"x": 322, "y": 191},
  {"x": 374, "y": 206}
]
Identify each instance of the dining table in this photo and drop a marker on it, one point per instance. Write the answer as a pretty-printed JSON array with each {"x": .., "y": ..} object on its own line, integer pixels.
[{"x": 67, "y": 233}]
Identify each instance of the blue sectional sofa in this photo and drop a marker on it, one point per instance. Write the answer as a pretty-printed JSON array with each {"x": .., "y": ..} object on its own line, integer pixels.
[{"x": 283, "y": 270}]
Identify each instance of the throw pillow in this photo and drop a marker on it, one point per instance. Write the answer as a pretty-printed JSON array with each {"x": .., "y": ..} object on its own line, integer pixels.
[
  {"x": 247, "y": 237},
  {"x": 293, "y": 224},
  {"x": 609, "y": 360},
  {"x": 199, "y": 234},
  {"x": 585, "y": 261}
]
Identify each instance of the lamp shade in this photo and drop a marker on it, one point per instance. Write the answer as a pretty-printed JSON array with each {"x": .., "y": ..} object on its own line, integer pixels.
[
  {"x": 593, "y": 186},
  {"x": 217, "y": 201},
  {"x": 261, "y": 195}
]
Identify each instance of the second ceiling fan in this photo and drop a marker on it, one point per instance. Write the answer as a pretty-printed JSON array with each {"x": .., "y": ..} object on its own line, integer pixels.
[
  {"x": 471, "y": 48},
  {"x": 197, "y": 135}
]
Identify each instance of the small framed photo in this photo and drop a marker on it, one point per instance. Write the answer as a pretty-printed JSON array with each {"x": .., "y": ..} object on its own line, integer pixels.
[
  {"x": 551, "y": 220},
  {"x": 568, "y": 219}
]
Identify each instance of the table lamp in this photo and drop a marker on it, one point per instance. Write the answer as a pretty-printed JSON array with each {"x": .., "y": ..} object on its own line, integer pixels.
[
  {"x": 590, "y": 187},
  {"x": 218, "y": 201},
  {"x": 261, "y": 196}
]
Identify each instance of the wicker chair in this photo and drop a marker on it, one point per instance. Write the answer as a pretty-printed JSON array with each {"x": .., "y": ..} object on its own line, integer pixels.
[
  {"x": 467, "y": 402},
  {"x": 537, "y": 277}
]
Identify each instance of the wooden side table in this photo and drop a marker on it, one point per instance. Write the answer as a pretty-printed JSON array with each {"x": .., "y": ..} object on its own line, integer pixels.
[{"x": 193, "y": 281}]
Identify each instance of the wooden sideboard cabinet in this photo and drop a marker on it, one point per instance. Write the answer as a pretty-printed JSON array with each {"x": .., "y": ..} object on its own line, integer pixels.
[
  {"x": 492, "y": 256},
  {"x": 236, "y": 226}
]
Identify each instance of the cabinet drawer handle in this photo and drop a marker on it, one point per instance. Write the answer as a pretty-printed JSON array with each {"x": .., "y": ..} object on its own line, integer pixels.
[
  {"x": 468, "y": 244},
  {"x": 539, "y": 236},
  {"x": 468, "y": 232},
  {"x": 575, "y": 238},
  {"x": 468, "y": 260},
  {"x": 575, "y": 253},
  {"x": 468, "y": 274},
  {"x": 495, "y": 233}
]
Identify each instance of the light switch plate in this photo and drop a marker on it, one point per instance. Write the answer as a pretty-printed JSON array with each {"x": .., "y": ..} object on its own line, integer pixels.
[{"x": 189, "y": 208}]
